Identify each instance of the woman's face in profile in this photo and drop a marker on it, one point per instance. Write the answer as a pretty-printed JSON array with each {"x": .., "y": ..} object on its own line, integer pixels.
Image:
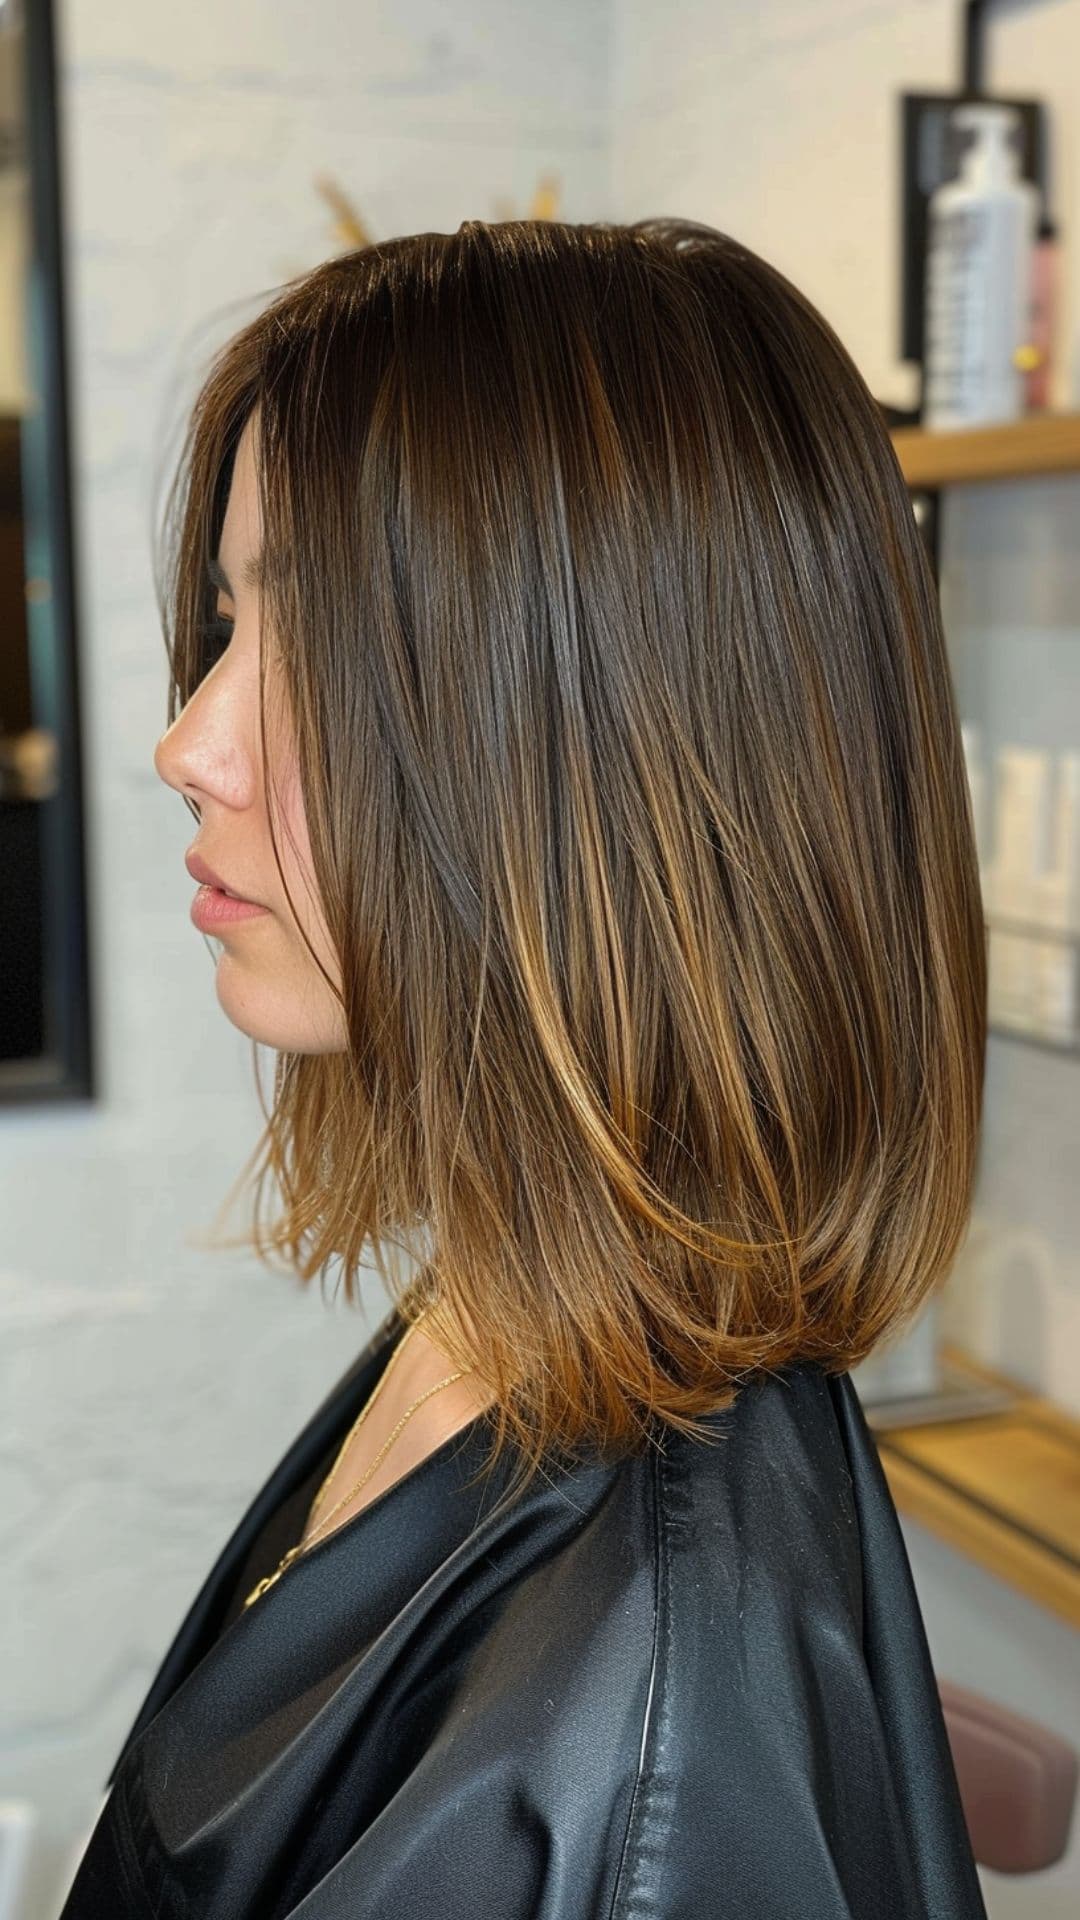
[{"x": 267, "y": 982}]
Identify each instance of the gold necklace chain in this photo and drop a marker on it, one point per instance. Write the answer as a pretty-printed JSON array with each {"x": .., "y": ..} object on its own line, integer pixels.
[{"x": 303, "y": 1545}]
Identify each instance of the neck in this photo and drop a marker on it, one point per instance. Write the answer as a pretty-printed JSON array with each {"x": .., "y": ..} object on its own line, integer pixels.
[{"x": 428, "y": 1357}]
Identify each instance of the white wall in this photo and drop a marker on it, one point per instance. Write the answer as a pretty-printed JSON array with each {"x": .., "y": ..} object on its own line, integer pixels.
[{"x": 147, "y": 1387}]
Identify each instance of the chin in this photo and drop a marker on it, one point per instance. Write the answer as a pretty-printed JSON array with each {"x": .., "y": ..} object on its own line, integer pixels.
[{"x": 272, "y": 1021}]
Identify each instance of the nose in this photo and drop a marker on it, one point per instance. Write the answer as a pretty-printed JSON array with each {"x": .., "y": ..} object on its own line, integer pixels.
[
  {"x": 201, "y": 755},
  {"x": 165, "y": 757},
  {"x": 194, "y": 739},
  {"x": 181, "y": 758},
  {"x": 161, "y": 752}
]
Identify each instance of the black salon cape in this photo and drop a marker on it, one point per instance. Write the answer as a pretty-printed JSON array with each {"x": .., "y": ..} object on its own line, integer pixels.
[{"x": 689, "y": 1686}]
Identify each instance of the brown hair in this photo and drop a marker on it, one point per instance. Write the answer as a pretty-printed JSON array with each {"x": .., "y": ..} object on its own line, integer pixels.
[{"x": 637, "y": 805}]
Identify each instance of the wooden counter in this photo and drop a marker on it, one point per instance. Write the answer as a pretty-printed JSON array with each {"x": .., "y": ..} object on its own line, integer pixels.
[
  {"x": 948, "y": 456},
  {"x": 1003, "y": 1488}
]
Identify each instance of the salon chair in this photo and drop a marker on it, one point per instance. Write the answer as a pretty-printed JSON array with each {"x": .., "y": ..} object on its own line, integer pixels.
[{"x": 1017, "y": 1782}]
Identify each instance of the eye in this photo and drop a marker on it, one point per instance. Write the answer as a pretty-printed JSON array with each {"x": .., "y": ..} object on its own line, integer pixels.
[{"x": 219, "y": 632}]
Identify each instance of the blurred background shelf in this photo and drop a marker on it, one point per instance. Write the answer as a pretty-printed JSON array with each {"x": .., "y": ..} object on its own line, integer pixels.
[
  {"x": 1040, "y": 443},
  {"x": 1002, "y": 1487}
]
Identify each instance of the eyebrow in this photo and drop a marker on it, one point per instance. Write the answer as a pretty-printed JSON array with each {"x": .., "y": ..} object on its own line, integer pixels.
[{"x": 253, "y": 576}]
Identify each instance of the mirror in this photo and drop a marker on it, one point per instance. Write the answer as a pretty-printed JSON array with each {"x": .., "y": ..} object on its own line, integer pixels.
[{"x": 44, "y": 977}]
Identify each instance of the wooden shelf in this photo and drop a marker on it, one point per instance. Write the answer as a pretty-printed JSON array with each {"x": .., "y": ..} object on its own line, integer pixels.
[
  {"x": 1041, "y": 443},
  {"x": 1004, "y": 1488}
]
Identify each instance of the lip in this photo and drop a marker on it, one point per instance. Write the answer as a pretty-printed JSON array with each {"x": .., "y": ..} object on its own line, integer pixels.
[
  {"x": 206, "y": 876},
  {"x": 212, "y": 910}
]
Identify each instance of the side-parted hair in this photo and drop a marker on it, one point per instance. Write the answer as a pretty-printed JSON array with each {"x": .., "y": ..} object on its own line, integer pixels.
[{"x": 638, "y": 814}]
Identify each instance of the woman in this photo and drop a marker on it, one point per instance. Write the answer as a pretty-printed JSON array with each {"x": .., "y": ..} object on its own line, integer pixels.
[{"x": 558, "y": 589}]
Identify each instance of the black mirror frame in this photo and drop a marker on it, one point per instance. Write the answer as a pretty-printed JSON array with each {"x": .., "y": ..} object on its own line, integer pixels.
[{"x": 65, "y": 1071}]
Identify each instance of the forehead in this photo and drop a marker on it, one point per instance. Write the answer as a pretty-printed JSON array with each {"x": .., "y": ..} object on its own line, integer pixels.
[
  {"x": 241, "y": 559},
  {"x": 241, "y": 529}
]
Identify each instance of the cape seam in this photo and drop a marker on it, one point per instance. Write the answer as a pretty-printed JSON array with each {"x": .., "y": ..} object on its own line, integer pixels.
[
  {"x": 623, "y": 1896},
  {"x": 128, "y": 1849}
]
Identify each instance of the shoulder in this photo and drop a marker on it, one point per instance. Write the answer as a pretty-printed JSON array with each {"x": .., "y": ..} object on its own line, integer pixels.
[
  {"x": 793, "y": 1749},
  {"x": 772, "y": 1479},
  {"x": 647, "y": 1667},
  {"x": 644, "y": 1581},
  {"x": 652, "y": 1688}
]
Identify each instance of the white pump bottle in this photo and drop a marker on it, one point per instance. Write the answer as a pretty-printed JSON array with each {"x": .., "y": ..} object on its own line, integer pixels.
[{"x": 981, "y": 230}]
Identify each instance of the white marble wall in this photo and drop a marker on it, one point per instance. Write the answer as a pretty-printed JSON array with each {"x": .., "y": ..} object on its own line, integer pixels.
[{"x": 147, "y": 1387}]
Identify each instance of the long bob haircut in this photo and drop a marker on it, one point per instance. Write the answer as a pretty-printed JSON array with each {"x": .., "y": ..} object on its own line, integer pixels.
[{"x": 637, "y": 807}]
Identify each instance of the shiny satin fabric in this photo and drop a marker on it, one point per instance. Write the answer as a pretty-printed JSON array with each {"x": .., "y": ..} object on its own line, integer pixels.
[{"x": 691, "y": 1686}]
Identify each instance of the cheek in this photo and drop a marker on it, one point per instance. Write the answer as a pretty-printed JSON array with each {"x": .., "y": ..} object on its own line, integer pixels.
[
  {"x": 291, "y": 832},
  {"x": 296, "y": 842},
  {"x": 294, "y": 847},
  {"x": 286, "y": 801}
]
